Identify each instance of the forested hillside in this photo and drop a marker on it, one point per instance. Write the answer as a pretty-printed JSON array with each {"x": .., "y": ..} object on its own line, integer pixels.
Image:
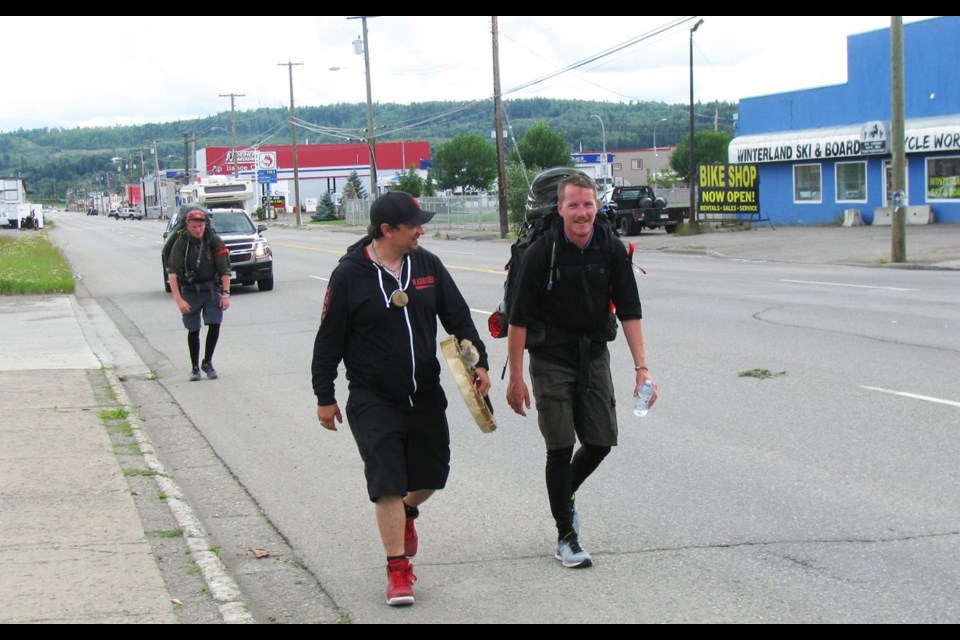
[{"x": 53, "y": 160}]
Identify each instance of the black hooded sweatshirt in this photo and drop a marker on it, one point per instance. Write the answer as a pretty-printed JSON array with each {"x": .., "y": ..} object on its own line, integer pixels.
[{"x": 389, "y": 350}]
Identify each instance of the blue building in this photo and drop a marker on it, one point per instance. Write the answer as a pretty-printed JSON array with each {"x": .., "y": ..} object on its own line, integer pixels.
[{"x": 823, "y": 151}]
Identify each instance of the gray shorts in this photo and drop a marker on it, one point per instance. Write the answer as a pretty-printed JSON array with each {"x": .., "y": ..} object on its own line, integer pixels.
[
  {"x": 202, "y": 303},
  {"x": 565, "y": 413}
]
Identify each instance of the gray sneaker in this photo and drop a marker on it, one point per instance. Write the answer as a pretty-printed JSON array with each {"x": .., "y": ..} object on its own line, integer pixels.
[
  {"x": 209, "y": 370},
  {"x": 195, "y": 374},
  {"x": 571, "y": 554}
]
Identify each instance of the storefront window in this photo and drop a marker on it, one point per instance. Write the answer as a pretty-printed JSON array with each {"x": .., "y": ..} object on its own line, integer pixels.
[
  {"x": 851, "y": 182},
  {"x": 943, "y": 179},
  {"x": 806, "y": 183}
]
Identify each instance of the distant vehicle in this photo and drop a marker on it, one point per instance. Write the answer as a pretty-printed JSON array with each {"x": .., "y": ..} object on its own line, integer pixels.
[
  {"x": 251, "y": 259},
  {"x": 637, "y": 207},
  {"x": 127, "y": 213},
  {"x": 91, "y": 211}
]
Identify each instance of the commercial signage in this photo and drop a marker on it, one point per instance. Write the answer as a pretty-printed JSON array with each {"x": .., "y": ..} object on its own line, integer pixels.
[
  {"x": 921, "y": 135},
  {"x": 266, "y": 176},
  {"x": 728, "y": 188},
  {"x": 277, "y": 202},
  {"x": 267, "y": 160},
  {"x": 591, "y": 158}
]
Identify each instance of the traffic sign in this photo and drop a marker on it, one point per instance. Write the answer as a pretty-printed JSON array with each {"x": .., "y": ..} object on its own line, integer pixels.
[{"x": 266, "y": 176}]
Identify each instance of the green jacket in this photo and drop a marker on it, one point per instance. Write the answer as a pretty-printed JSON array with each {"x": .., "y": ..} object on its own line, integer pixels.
[{"x": 203, "y": 259}]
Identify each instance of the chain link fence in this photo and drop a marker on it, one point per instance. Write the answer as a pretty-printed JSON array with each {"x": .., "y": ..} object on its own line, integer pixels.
[{"x": 475, "y": 213}]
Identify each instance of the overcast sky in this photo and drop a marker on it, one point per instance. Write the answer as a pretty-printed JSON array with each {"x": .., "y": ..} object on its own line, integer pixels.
[{"x": 103, "y": 71}]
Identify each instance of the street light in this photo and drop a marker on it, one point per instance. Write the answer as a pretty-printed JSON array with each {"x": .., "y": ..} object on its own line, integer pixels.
[
  {"x": 655, "y": 154},
  {"x": 693, "y": 166},
  {"x": 603, "y": 165}
]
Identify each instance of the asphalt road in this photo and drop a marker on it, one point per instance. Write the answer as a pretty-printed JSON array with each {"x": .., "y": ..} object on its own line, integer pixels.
[{"x": 826, "y": 492}]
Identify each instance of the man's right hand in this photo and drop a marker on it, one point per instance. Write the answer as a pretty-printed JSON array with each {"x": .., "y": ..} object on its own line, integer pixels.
[
  {"x": 329, "y": 416},
  {"x": 518, "y": 397}
]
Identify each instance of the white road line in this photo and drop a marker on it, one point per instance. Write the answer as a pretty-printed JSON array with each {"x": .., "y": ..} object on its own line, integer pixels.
[
  {"x": 915, "y": 396},
  {"x": 840, "y": 284},
  {"x": 319, "y": 278}
]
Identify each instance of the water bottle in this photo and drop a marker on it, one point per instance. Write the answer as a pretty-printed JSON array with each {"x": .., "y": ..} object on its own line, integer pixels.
[{"x": 642, "y": 403}]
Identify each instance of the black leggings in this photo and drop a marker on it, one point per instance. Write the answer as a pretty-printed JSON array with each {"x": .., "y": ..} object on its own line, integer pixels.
[
  {"x": 193, "y": 342},
  {"x": 564, "y": 477}
]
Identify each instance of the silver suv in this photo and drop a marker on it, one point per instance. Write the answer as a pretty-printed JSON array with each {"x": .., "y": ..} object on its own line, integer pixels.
[{"x": 251, "y": 259}]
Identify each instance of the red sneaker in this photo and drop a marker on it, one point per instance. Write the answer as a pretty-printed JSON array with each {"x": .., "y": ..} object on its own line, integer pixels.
[
  {"x": 411, "y": 542},
  {"x": 400, "y": 581}
]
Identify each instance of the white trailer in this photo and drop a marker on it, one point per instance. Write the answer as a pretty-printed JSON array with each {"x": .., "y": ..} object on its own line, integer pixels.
[
  {"x": 221, "y": 192},
  {"x": 13, "y": 193}
]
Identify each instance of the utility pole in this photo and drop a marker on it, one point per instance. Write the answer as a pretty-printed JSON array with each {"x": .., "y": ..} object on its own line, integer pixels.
[
  {"x": 370, "y": 135},
  {"x": 293, "y": 134},
  {"x": 498, "y": 128},
  {"x": 156, "y": 180},
  {"x": 693, "y": 143},
  {"x": 186, "y": 158},
  {"x": 898, "y": 244},
  {"x": 233, "y": 118},
  {"x": 143, "y": 196}
]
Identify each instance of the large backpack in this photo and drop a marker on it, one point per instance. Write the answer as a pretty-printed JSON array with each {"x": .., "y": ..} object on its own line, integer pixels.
[
  {"x": 180, "y": 226},
  {"x": 540, "y": 215}
]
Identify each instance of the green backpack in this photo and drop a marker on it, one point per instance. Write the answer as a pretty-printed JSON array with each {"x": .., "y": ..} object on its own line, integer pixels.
[{"x": 180, "y": 226}]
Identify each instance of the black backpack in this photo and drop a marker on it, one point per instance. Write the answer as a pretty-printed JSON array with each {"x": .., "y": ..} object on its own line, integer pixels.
[{"x": 541, "y": 215}]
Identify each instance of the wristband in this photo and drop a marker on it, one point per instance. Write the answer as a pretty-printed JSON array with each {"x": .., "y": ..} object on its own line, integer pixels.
[
  {"x": 225, "y": 293},
  {"x": 639, "y": 368}
]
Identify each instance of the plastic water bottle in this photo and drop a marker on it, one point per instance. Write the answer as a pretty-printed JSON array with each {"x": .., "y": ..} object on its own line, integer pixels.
[{"x": 642, "y": 404}]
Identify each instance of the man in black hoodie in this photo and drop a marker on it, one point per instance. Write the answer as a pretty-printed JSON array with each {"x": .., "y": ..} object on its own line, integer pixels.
[{"x": 380, "y": 318}]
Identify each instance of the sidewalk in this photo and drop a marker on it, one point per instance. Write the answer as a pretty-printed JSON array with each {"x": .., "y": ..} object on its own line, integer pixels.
[{"x": 74, "y": 547}]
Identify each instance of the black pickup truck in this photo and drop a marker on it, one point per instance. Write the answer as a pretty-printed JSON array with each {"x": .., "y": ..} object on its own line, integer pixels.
[{"x": 637, "y": 207}]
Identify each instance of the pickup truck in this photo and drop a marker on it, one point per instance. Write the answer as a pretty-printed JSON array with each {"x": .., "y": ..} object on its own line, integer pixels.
[{"x": 635, "y": 208}]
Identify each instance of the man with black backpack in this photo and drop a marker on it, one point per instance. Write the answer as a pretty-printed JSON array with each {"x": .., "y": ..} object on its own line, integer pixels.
[
  {"x": 560, "y": 312},
  {"x": 198, "y": 268}
]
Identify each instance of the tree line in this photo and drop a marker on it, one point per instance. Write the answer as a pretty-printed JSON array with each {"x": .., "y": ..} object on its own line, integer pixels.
[{"x": 54, "y": 160}]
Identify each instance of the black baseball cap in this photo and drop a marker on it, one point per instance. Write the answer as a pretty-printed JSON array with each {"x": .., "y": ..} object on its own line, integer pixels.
[{"x": 398, "y": 207}]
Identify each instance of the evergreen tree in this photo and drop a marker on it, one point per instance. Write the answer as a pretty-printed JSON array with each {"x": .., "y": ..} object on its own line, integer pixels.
[
  {"x": 358, "y": 189},
  {"x": 325, "y": 208}
]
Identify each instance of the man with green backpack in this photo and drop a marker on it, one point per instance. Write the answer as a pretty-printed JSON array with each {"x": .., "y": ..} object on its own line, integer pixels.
[{"x": 198, "y": 270}]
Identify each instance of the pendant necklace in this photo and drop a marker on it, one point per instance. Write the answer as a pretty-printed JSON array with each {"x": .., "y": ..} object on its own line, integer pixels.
[{"x": 399, "y": 298}]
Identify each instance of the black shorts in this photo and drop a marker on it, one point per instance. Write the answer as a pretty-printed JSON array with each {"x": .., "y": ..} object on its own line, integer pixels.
[{"x": 403, "y": 448}]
